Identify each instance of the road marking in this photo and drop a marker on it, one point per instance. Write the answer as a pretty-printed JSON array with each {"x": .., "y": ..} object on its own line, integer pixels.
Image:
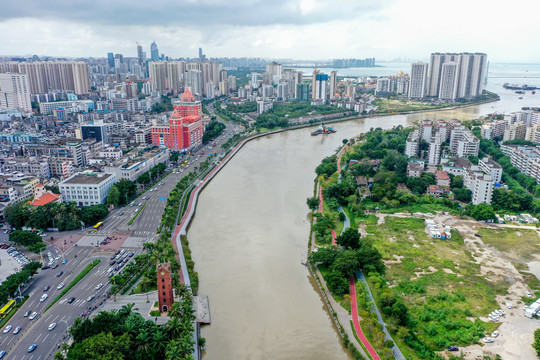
[
  {"x": 45, "y": 338},
  {"x": 38, "y": 337}
]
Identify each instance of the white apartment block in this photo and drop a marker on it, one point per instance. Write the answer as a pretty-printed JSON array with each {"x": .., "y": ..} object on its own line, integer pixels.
[
  {"x": 494, "y": 129},
  {"x": 434, "y": 153},
  {"x": 533, "y": 133},
  {"x": 492, "y": 168},
  {"x": 480, "y": 184},
  {"x": 35, "y": 168},
  {"x": 426, "y": 129},
  {"x": 87, "y": 190},
  {"x": 514, "y": 131},
  {"x": 15, "y": 92},
  {"x": 463, "y": 142},
  {"x": 418, "y": 80},
  {"x": 411, "y": 146},
  {"x": 521, "y": 156},
  {"x": 442, "y": 128},
  {"x": 133, "y": 166}
]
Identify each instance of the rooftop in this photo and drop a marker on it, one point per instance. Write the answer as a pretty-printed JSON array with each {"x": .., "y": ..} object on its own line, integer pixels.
[{"x": 87, "y": 179}]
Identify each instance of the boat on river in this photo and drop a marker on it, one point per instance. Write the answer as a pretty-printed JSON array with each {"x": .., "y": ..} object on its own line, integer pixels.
[{"x": 323, "y": 130}]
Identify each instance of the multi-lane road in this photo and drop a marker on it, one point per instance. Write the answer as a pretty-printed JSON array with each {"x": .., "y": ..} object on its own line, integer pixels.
[{"x": 77, "y": 257}]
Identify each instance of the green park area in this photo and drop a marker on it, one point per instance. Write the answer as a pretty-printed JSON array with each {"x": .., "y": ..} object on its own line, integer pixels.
[{"x": 396, "y": 106}]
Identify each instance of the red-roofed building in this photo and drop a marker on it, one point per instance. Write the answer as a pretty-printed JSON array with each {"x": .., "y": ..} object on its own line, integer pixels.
[
  {"x": 46, "y": 198},
  {"x": 185, "y": 129},
  {"x": 442, "y": 178}
]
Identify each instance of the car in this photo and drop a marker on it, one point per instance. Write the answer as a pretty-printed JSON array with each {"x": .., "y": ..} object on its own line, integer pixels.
[
  {"x": 113, "y": 257},
  {"x": 45, "y": 267},
  {"x": 43, "y": 297},
  {"x": 60, "y": 286},
  {"x": 2, "y": 354},
  {"x": 54, "y": 266},
  {"x": 7, "y": 329},
  {"x": 90, "y": 298},
  {"x": 528, "y": 294},
  {"x": 60, "y": 273},
  {"x": 131, "y": 254},
  {"x": 494, "y": 334},
  {"x": 33, "y": 316},
  {"x": 17, "y": 330},
  {"x": 487, "y": 340},
  {"x": 32, "y": 347},
  {"x": 52, "y": 326},
  {"x": 477, "y": 235},
  {"x": 139, "y": 204},
  {"x": 64, "y": 261},
  {"x": 70, "y": 300},
  {"x": 46, "y": 288},
  {"x": 121, "y": 213},
  {"x": 26, "y": 314},
  {"x": 99, "y": 286},
  {"x": 453, "y": 348},
  {"x": 112, "y": 262}
]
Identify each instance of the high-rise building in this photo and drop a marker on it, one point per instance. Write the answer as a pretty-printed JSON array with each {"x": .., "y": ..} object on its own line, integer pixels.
[
  {"x": 418, "y": 80},
  {"x": 319, "y": 92},
  {"x": 157, "y": 71},
  {"x": 254, "y": 80},
  {"x": 184, "y": 130},
  {"x": 302, "y": 92},
  {"x": 449, "y": 81},
  {"x": 274, "y": 71},
  {"x": 298, "y": 79},
  {"x": 333, "y": 85},
  {"x": 15, "y": 92},
  {"x": 154, "y": 52},
  {"x": 110, "y": 58},
  {"x": 140, "y": 55},
  {"x": 463, "y": 78},
  {"x": 194, "y": 80}
]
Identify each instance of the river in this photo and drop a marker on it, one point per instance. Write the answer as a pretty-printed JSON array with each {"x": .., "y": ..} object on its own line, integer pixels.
[{"x": 250, "y": 232}]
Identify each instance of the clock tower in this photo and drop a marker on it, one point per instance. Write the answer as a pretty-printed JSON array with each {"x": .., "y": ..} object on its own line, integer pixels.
[{"x": 164, "y": 287}]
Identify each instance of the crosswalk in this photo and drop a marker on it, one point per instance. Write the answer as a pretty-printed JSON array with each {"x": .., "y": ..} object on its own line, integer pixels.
[{"x": 143, "y": 233}]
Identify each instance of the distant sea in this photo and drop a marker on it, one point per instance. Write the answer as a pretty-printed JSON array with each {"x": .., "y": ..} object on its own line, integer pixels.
[{"x": 498, "y": 73}]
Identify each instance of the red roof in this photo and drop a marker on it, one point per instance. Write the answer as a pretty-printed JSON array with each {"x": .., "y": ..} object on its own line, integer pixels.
[
  {"x": 187, "y": 96},
  {"x": 434, "y": 188},
  {"x": 46, "y": 198},
  {"x": 442, "y": 175}
]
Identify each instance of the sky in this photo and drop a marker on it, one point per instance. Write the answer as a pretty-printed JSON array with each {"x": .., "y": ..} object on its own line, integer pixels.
[{"x": 297, "y": 29}]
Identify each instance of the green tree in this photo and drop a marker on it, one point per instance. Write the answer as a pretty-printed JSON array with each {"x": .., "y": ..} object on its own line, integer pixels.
[
  {"x": 349, "y": 239},
  {"x": 113, "y": 197},
  {"x": 346, "y": 263},
  {"x": 103, "y": 346},
  {"x": 483, "y": 212},
  {"x": 312, "y": 203},
  {"x": 17, "y": 215},
  {"x": 536, "y": 344},
  {"x": 337, "y": 283}
]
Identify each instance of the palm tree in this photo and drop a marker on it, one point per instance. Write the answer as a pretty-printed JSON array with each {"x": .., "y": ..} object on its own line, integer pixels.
[
  {"x": 182, "y": 290},
  {"x": 159, "y": 342},
  {"x": 173, "y": 351},
  {"x": 174, "y": 328},
  {"x": 175, "y": 311},
  {"x": 126, "y": 310},
  {"x": 145, "y": 283}
]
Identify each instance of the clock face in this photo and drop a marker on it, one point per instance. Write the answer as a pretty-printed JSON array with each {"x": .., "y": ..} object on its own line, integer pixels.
[{"x": 162, "y": 273}]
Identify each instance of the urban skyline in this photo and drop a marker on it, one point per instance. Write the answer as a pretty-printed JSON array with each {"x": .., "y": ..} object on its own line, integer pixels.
[{"x": 298, "y": 29}]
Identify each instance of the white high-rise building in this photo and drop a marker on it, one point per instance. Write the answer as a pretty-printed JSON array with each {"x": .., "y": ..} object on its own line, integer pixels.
[
  {"x": 418, "y": 80},
  {"x": 157, "y": 71},
  {"x": 449, "y": 81},
  {"x": 435, "y": 145},
  {"x": 319, "y": 92},
  {"x": 274, "y": 71},
  {"x": 411, "y": 146},
  {"x": 194, "y": 80},
  {"x": 15, "y": 92}
]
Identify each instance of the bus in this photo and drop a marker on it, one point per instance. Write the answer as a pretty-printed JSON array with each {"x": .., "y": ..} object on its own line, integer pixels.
[
  {"x": 7, "y": 308},
  {"x": 98, "y": 226}
]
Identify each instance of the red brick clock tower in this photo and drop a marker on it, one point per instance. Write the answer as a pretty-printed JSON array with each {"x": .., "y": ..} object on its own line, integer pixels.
[{"x": 164, "y": 287}]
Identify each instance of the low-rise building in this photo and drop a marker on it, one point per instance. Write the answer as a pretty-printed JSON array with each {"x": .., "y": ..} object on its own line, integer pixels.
[
  {"x": 443, "y": 179},
  {"x": 414, "y": 169},
  {"x": 87, "y": 190},
  {"x": 137, "y": 162}
]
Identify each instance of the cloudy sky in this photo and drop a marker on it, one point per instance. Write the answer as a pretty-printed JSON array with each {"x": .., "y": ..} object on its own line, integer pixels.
[{"x": 299, "y": 29}]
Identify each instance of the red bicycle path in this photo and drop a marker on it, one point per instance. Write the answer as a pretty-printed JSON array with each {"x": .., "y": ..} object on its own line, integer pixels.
[{"x": 356, "y": 322}]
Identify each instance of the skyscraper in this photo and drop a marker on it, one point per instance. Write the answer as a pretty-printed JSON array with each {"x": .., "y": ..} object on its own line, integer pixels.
[
  {"x": 274, "y": 71},
  {"x": 110, "y": 58},
  {"x": 449, "y": 81},
  {"x": 320, "y": 87},
  {"x": 140, "y": 55},
  {"x": 15, "y": 92},
  {"x": 418, "y": 82},
  {"x": 154, "y": 52},
  {"x": 194, "y": 80},
  {"x": 157, "y": 71},
  {"x": 333, "y": 85}
]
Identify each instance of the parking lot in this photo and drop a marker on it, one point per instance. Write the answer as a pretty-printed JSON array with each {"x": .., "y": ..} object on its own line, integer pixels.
[{"x": 8, "y": 265}]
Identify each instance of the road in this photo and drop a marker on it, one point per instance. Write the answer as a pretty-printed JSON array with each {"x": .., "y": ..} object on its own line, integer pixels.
[{"x": 62, "y": 313}]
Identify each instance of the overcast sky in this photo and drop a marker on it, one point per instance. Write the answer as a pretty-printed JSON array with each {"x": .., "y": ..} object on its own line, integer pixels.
[{"x": 298, "y": 29}]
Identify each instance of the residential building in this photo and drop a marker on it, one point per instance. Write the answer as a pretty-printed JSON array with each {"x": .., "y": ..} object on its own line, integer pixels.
[
  {"x": 480, "y": 184},
  {"x": 154, "y": 52},
  {"x": 319, "y": 90},
  {"x": 492, "y": 168},
  {"x": 426, "y": 129},
  {"x": 96, "y": 130},
  {"x": 435, "y": 147},
  {"x": 449, "y": 81},
  {"x": 443, "y": 179},
  {"x": 137, "y": 162},
  {"x": 15, "y": 92},
  {"x": 463, "y": 142},
  {"x": 411, "y": 146},
  {"x": 494, "y": 129},
  {"x": 514, "y": 131},
  {"x": 263, "y": 105},
  {"x": 521, "y": 156},
  {"x": 333, "y": 85},
  {"x": 414, "y": 169},
  {"x": 87, "y": 190},
  {"x": 33, "y": 167},
  {"x": 418, "y": 80}
]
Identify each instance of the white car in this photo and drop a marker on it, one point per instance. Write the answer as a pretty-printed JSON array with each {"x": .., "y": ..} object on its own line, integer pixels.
[
  {"x": 60, "y": 286},
  {"x": 494, "y": 334},
  {"x": 90, "y": 298},
  {"x": 528, "y": 294},
  {"x": 7, "y": 329},
  {"x": 488, "y": 340},
  {"x": 99, "y": 286},
  {"x": 43, "y": 297},
  {"x": 33, "y": 316},
  {"x": 52, "y": 326}
]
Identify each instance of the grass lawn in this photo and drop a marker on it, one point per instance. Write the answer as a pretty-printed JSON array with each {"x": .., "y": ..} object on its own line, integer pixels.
[
  {"x": 437, "y": 279},
  {"x": 516, "y": 243},
  {"x": 390, "y": 105}
]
